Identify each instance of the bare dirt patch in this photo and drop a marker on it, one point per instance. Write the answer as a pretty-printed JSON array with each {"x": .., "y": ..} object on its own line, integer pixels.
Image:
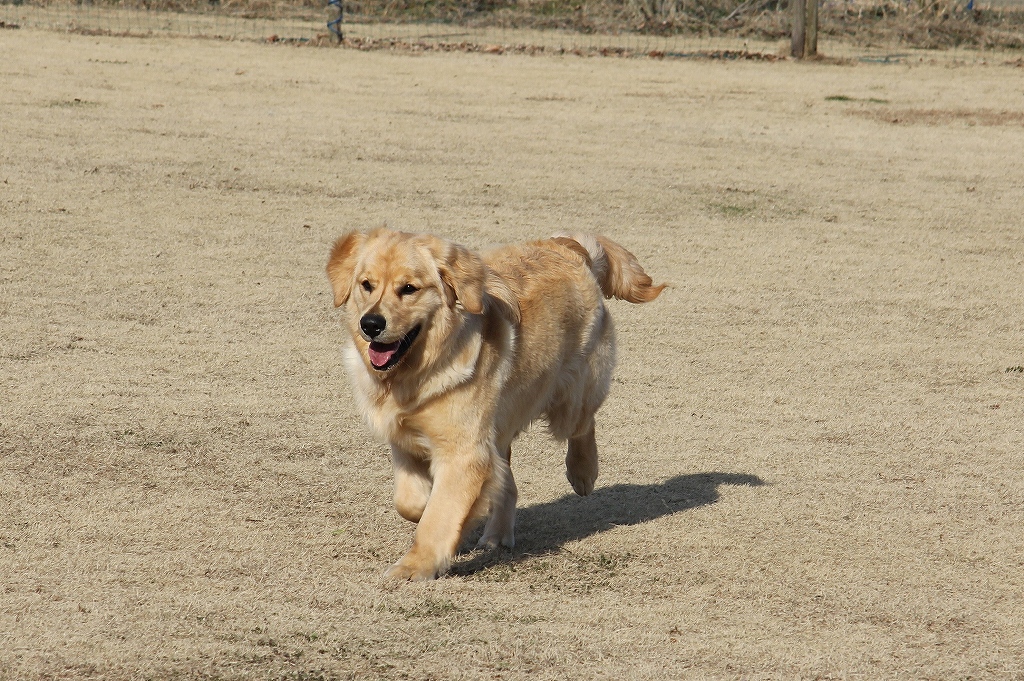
[
  {"x": 946, "y": 116},
  {"x": 811, "y": 456}
]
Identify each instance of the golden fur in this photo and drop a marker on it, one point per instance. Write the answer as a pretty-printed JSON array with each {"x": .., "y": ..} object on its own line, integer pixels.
[{"x": 453, "y": 353}]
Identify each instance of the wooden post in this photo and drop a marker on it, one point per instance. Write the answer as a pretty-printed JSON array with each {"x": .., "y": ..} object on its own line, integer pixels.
[
  {"x": 811, "y": 30},
  {"x": 805, "y": 29},
  {"x": 799, "y": 28}
]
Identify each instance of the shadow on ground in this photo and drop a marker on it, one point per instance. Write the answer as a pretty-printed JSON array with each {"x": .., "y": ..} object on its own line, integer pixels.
[{"x": 546, "y": 528}]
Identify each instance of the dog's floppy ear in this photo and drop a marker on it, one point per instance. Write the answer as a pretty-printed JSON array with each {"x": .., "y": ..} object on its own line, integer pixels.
[
  {"x": 341, "y": 265},
  {"x": 463, "y": 274},
  {"x": 467, "y": 279},
  {"x": 503, "y": 297}
]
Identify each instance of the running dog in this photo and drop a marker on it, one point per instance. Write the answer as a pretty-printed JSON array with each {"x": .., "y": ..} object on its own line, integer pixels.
[{"x": 453, "y": 353}]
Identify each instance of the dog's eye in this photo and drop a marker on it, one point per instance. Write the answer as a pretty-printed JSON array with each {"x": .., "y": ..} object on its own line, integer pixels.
[
  {"x": 408, "y": 289},
  {"x": 367, "y": 286}
]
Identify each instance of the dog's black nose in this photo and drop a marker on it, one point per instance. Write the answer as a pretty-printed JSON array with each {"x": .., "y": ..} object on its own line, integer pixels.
[{"x": 372, "y": 324}]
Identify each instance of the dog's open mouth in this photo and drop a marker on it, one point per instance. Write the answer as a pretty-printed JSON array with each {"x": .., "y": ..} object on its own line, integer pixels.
[{"x": 383, "y": 356}]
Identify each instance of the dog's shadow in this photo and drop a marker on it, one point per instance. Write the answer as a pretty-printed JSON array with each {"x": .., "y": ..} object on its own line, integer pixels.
[{"x": 546, "y": 528}]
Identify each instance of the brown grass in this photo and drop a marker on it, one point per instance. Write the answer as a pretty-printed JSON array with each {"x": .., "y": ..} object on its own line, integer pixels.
[
  {"x": 984, "y": 29},
  {"x": 810, "y": 456}
]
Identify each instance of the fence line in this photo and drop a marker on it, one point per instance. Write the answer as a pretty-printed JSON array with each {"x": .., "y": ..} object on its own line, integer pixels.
[
  {"x": 88, "y": 18},
  {"x": 305, "y": 25},
  {"x": 85, "y": 18}
]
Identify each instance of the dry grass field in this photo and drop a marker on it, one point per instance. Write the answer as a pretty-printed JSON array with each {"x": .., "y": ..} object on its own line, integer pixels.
[{"x": 813, "y": 453}]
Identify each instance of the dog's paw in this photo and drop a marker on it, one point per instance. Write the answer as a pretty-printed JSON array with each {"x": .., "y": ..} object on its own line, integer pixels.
[
  {"x": 407, "y": 573},
  {"x": 493, "y": 541},
  {"x": 581, "y": 484},
  {"x": 413, "y": 569}
]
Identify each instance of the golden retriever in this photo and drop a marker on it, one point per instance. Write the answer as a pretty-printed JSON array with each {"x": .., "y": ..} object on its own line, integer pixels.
[{"x": 453, "y": 353}]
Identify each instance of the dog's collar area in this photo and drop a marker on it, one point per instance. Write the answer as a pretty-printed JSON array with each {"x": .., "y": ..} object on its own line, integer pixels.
[{"x": 383, "y": 356}]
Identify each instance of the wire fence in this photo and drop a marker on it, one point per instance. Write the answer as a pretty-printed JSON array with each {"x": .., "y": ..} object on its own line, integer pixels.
[
  {"x": 747, "y": 28},
  {"x": 128, "y": 20}
]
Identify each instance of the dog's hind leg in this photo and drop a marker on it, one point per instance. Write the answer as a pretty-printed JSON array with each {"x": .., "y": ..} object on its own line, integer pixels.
[
  {"x": 500, "y": 527},
  {"x": 581, "y": 460}
]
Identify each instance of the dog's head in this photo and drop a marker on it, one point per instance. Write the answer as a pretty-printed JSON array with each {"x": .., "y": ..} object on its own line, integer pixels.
[{"x": 401, "y": 289}]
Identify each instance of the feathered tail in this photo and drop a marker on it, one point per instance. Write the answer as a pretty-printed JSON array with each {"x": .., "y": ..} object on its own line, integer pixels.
[{"x": 617, "y": 270}]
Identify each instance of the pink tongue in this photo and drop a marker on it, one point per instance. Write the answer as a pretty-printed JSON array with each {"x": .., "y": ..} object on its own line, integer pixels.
[{"x": 380, "y": 353}]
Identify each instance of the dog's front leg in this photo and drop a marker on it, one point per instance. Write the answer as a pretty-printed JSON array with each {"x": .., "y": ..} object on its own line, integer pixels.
[
  {"x": 458, "y": 482},
  {"x": 412, "y": 484}
]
